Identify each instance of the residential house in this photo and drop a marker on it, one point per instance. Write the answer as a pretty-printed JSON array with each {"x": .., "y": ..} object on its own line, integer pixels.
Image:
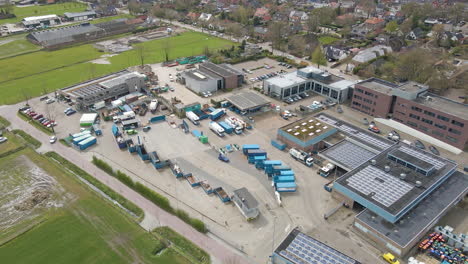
[
  {"x": 371, "y": 53},
  {"x": 260, "y": 32},
  {"x": 193, "y": 16},
  {"x": 374, "y": 23},
  {"x": 263, "y": 14},
  {"x": 298, "y": 16},
  {"x": 415, "y": 34},
  {"x": 205, "y": 17},
  {"x": 335, "y": 53}
]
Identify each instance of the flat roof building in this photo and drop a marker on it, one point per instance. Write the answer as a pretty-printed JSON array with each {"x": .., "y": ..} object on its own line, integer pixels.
[
  {"x": 309, "y": 79},
  {"x": 246, "y": 203},
  {"x": 201, "y": 81},
  {"x": 410, "y": 103},
  {"x": 40, "y": 21},
  {"x": 249, "y": 102},
  {"x": 299, "y": 248},
  {"x": 232, "y": 78},
  {"x": 109, "y": 87},
  {"x": 306, "y": 134},
  {"x": 80, "y": 16}
]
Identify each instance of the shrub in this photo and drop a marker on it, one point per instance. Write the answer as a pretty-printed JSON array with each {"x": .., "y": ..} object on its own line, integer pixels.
[
  {"x": 28, "y": 138},
  {"x": 186, "y": 245},
  {"x": 151, "y": 195}
]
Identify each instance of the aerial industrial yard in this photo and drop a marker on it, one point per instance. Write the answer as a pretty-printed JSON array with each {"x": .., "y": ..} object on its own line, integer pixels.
[{"x": 230, "y": 163}]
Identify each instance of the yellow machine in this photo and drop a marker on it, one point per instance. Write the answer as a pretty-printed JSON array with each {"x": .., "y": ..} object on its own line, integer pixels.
[{"x": 390, "y": 258}]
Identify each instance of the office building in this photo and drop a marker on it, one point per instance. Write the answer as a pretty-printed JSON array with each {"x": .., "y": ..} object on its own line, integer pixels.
[
  {"x": 309, "y": 79},
  {"x": 231, "y": 77},
  {"x": 410, "y": 103}
]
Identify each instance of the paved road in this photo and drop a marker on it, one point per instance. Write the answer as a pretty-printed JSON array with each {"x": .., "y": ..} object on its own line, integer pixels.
[{"x": 214, "y": 248}]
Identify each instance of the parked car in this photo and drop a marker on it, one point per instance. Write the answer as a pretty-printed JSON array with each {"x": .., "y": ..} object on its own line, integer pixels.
[
  {"x": 390, "y": 258},
  {"x": 146, "y": 128},
  {"x": 3, "y": 139},
  {"x": 68, "y": 109},
  {"x": 71, "y": 112},
  {"x": 222, "y": 157},
  {"x": 53, "y": 139},
  {"x": 49, "y": 101},
  {"x": 132, "y": 132}
]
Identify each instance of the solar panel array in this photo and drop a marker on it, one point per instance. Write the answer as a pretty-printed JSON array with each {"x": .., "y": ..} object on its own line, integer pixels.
[
  {"x": 383, "y": 187},
  {"x": 356, "y": 133},
  {"x": 349, "y": 154},
  {"x": 306, "y": 250},
  {"x": 422, "y": 156}
]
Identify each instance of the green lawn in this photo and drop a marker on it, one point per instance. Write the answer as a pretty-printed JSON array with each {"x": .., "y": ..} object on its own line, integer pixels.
[
  {"x": 86, "y": 229},
  {"x": 187, "y": 44},
  {"x": 40, "y": 10},
  {"x": 327, "y": 40},
  {"x": 37, "y": 62},
  {"x": 109, "y": 18},
  {"x": 17, "y": 47}
]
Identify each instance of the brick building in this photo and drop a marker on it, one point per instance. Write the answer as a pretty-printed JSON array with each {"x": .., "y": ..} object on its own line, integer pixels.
[
  {"x": 231, "y": 77},
  {"x": 411, "y": 104}
]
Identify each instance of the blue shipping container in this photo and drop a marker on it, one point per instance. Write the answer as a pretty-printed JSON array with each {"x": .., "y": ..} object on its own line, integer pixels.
[
  {"x": 196, "y": 133},
  {"x": 256, "y": 152},
  {"x": 227, "y": 128},
  {"x": 286, "y": 186},
  {"x": 115, "y": 130},
  {"x": 284, "y": 179},
  {"x": 246, "y": 147},
  {"x": 287, "y": 173},
  {"x": 215, "y": 115},
  {"x": 277, "y": 144},
  {"x": 87, "y": 143},
  {"x": 155, "y": 119},
  {"x": 79, "y": 139}
]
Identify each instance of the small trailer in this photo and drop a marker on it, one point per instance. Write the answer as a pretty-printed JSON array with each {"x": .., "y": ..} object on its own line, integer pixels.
[
  {"x": 247, "y": 147},
  {"x": 285, "y": 186},
  {"x": 131, "y": 146},
  {"x": 206, "y": 187},
  {"x": 192, "y": 180},
  {"x": 222, "y": 194}
]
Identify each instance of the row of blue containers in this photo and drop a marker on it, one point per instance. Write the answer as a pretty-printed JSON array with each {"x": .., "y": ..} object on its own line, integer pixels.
[{"x": 283, "y": 177}]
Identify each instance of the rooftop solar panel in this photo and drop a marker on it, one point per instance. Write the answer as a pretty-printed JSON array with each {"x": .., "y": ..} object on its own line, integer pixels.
[
  {"x": 348, "y": 154},
  {"x": 422, "y": 156},
  {"x": 379, "y": 185}
]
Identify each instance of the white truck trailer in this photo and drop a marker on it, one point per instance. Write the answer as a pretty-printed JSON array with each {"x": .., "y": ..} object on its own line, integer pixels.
[
  {"x": 217, "y": 129},
  {"x": 302, "y": 157}
]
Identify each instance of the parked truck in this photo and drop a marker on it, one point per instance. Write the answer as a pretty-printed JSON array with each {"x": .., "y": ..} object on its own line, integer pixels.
[
  {"x": 217, "y": 129},
  {"x": 218, "y": 113},
  {"x": 301, "y": 156},
  {"x": 124, "y": 116},
  {"x": 153, "y": 105},
  {"x": 326, "y": 170},
  {"x": 227, "y": 128},
  {"x": 193, "y": 117},
  {"x": 236, "y": 123}
]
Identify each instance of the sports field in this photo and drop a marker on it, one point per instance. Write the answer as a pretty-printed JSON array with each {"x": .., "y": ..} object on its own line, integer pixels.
[
  {"x": 41, "y": 10},
  {"x": 48, "y": 216},
  {"x": 58, "y": 69}
]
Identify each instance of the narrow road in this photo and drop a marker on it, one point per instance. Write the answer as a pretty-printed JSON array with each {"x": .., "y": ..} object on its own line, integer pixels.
[{"x": 214, "y": 248}]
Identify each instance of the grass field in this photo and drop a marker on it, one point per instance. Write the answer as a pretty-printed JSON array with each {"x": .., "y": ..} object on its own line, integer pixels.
[
  {"x": 109, "y": 18},
  {"x": 58, "y": 69},
  {"x": 327, "y": 40},
  {"x": 17, "y": 47},
  {"x": 40, "y": 10},
  {"x": 85, "y": 229}
]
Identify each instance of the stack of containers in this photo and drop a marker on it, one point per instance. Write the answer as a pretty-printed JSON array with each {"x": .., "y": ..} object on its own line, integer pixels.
[{"x": 283, "y": 177}]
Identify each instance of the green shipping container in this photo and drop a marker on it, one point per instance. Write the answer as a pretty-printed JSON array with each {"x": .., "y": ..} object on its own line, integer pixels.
[{"x": 204, "y": 139}]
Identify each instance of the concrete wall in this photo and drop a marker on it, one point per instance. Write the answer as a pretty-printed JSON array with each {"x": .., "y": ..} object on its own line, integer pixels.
[
  {"x": 404, "y": 112},
  {"x": 209, "y": 85},
  {"x": 371, "y": 102}
]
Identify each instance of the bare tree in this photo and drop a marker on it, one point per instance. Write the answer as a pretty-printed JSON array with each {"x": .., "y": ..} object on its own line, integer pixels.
[
  {"x": 134, "y": 7},
  {"x": 166, "y": 49},
  {"x": 368, "y": 6},
  {"x": 276, "y": 32},
  {"x": 312, "y": 23},
  {"x": 51, "y": 114},
  {"x": 141, "y": 52}
]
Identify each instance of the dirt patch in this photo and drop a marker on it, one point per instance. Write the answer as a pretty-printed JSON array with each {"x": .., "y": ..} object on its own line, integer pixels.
[
  {"x": 26, "y": 192},
  {"x": 103, "y": 59}
]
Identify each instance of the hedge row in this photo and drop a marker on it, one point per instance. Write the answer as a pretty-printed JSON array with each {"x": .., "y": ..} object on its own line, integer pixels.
[
  {"x": 28, "y": 138},
  {"x": 35, "y": 123},
  {"x": 4, "y": 123},
  {"x": 8, "y": 153},
  {"x": 151, "y": 195},
  {"x": 104, "y": 188},
  {"x": 183, "y": 243}
]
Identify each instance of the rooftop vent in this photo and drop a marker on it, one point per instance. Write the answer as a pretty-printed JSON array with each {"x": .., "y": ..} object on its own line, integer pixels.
[
  {"x": 418, "y": 184},
  {"x": 387, "y": 168},
  {"x": 297, "y": 133},
  {"x": 311, "y": 120},
  {"x": 303, "y": 124},
  {"x": 296, "y": 127},
  {"x": 373, "y": 162},
  {"x": 403, "y": 176},
  {"x": 318, "y": 131},
  {"x": 289, "y": 130}
]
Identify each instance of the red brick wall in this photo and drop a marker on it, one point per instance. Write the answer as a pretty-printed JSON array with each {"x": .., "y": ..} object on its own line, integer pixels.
[
  {"x": 371, "y": 102},
  {"x": 403, "y": 109}
]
